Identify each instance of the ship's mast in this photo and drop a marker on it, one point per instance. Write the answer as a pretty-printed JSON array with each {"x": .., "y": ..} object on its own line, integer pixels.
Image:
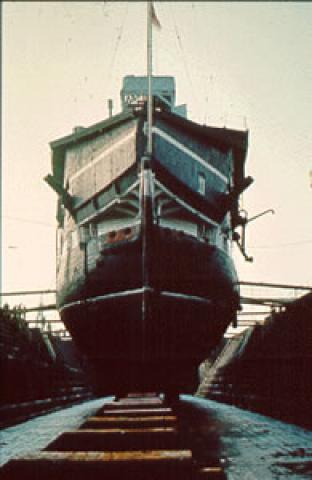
[
  {"x": 149, "y": 77},
  {"x": 146, "y": 194}
]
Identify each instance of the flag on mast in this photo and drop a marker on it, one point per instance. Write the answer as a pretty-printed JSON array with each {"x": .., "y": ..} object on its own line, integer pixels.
[{"x": 155, "y": 20}]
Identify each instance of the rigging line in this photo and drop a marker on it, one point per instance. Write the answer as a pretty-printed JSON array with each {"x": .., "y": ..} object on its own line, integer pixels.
[
  {"x": 26, "y": 220},
  {"x": 118, "y": 39},
  {"x": 290, "y": 244},
  {"x": 182, "y": 50}
]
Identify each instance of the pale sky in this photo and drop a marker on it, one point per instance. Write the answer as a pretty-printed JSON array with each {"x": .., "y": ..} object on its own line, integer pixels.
[{"x": 235, "y": 64}]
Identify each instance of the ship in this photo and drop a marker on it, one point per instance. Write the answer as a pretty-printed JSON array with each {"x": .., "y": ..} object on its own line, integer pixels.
[{"x": 146, "y": 283}]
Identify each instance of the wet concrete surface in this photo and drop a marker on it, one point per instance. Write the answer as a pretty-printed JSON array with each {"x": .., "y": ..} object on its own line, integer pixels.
[
  {"x": 36, "y": 434},
  {"x": 249, "y": 446}
]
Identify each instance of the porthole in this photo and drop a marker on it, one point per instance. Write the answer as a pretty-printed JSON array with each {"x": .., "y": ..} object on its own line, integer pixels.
[{"x": 112, "y": 235}]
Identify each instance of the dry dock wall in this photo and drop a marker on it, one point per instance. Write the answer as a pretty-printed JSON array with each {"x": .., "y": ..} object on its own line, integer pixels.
[
  {"x": 267, "y": 368},
  {"x": 35, "y": 368}
]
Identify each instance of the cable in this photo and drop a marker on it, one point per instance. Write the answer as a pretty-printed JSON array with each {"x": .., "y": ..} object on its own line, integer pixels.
[
  {"x": 118, "y": 39},
  {"x": 290, "y": 244},
  {"x": 182, "y": 51},
  {"x": 26, "y": 220}
]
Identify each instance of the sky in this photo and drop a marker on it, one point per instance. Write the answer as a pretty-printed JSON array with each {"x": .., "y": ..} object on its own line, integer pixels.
[{"x": 236, "y": 64}]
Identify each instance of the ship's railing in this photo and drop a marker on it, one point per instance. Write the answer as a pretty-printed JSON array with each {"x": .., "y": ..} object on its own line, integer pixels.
[
  {"x": 27, "y": 311},
  {"x": 259, "y": 300},
  {"x": 139, "y": 103}
]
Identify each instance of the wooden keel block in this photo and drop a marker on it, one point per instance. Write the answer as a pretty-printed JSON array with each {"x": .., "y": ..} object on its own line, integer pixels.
[
  {"x": 139, "y": 400},
  {"x": 152, "y": 438},
  {"x": 128, "y": 421},
  {"x": 211, "y": 473},
  {"x": 131, "y": 405},
  {"x": 153, "y": 464},
  {"x": 139, "y": 412},
  {"x": 141, "y": 395}
]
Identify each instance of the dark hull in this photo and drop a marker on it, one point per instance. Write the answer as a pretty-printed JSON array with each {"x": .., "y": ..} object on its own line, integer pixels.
[{"x": 152, "y": 337}]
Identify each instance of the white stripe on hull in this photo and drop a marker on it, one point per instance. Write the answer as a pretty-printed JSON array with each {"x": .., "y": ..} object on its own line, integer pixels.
[
  {"x": 136, "y": 291},
  {"x": 186, "y": 205},
  {"x": 115, "y": 201},
  {"x": 102, "y": 155},
  {"x": 189, "y": 152}
]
